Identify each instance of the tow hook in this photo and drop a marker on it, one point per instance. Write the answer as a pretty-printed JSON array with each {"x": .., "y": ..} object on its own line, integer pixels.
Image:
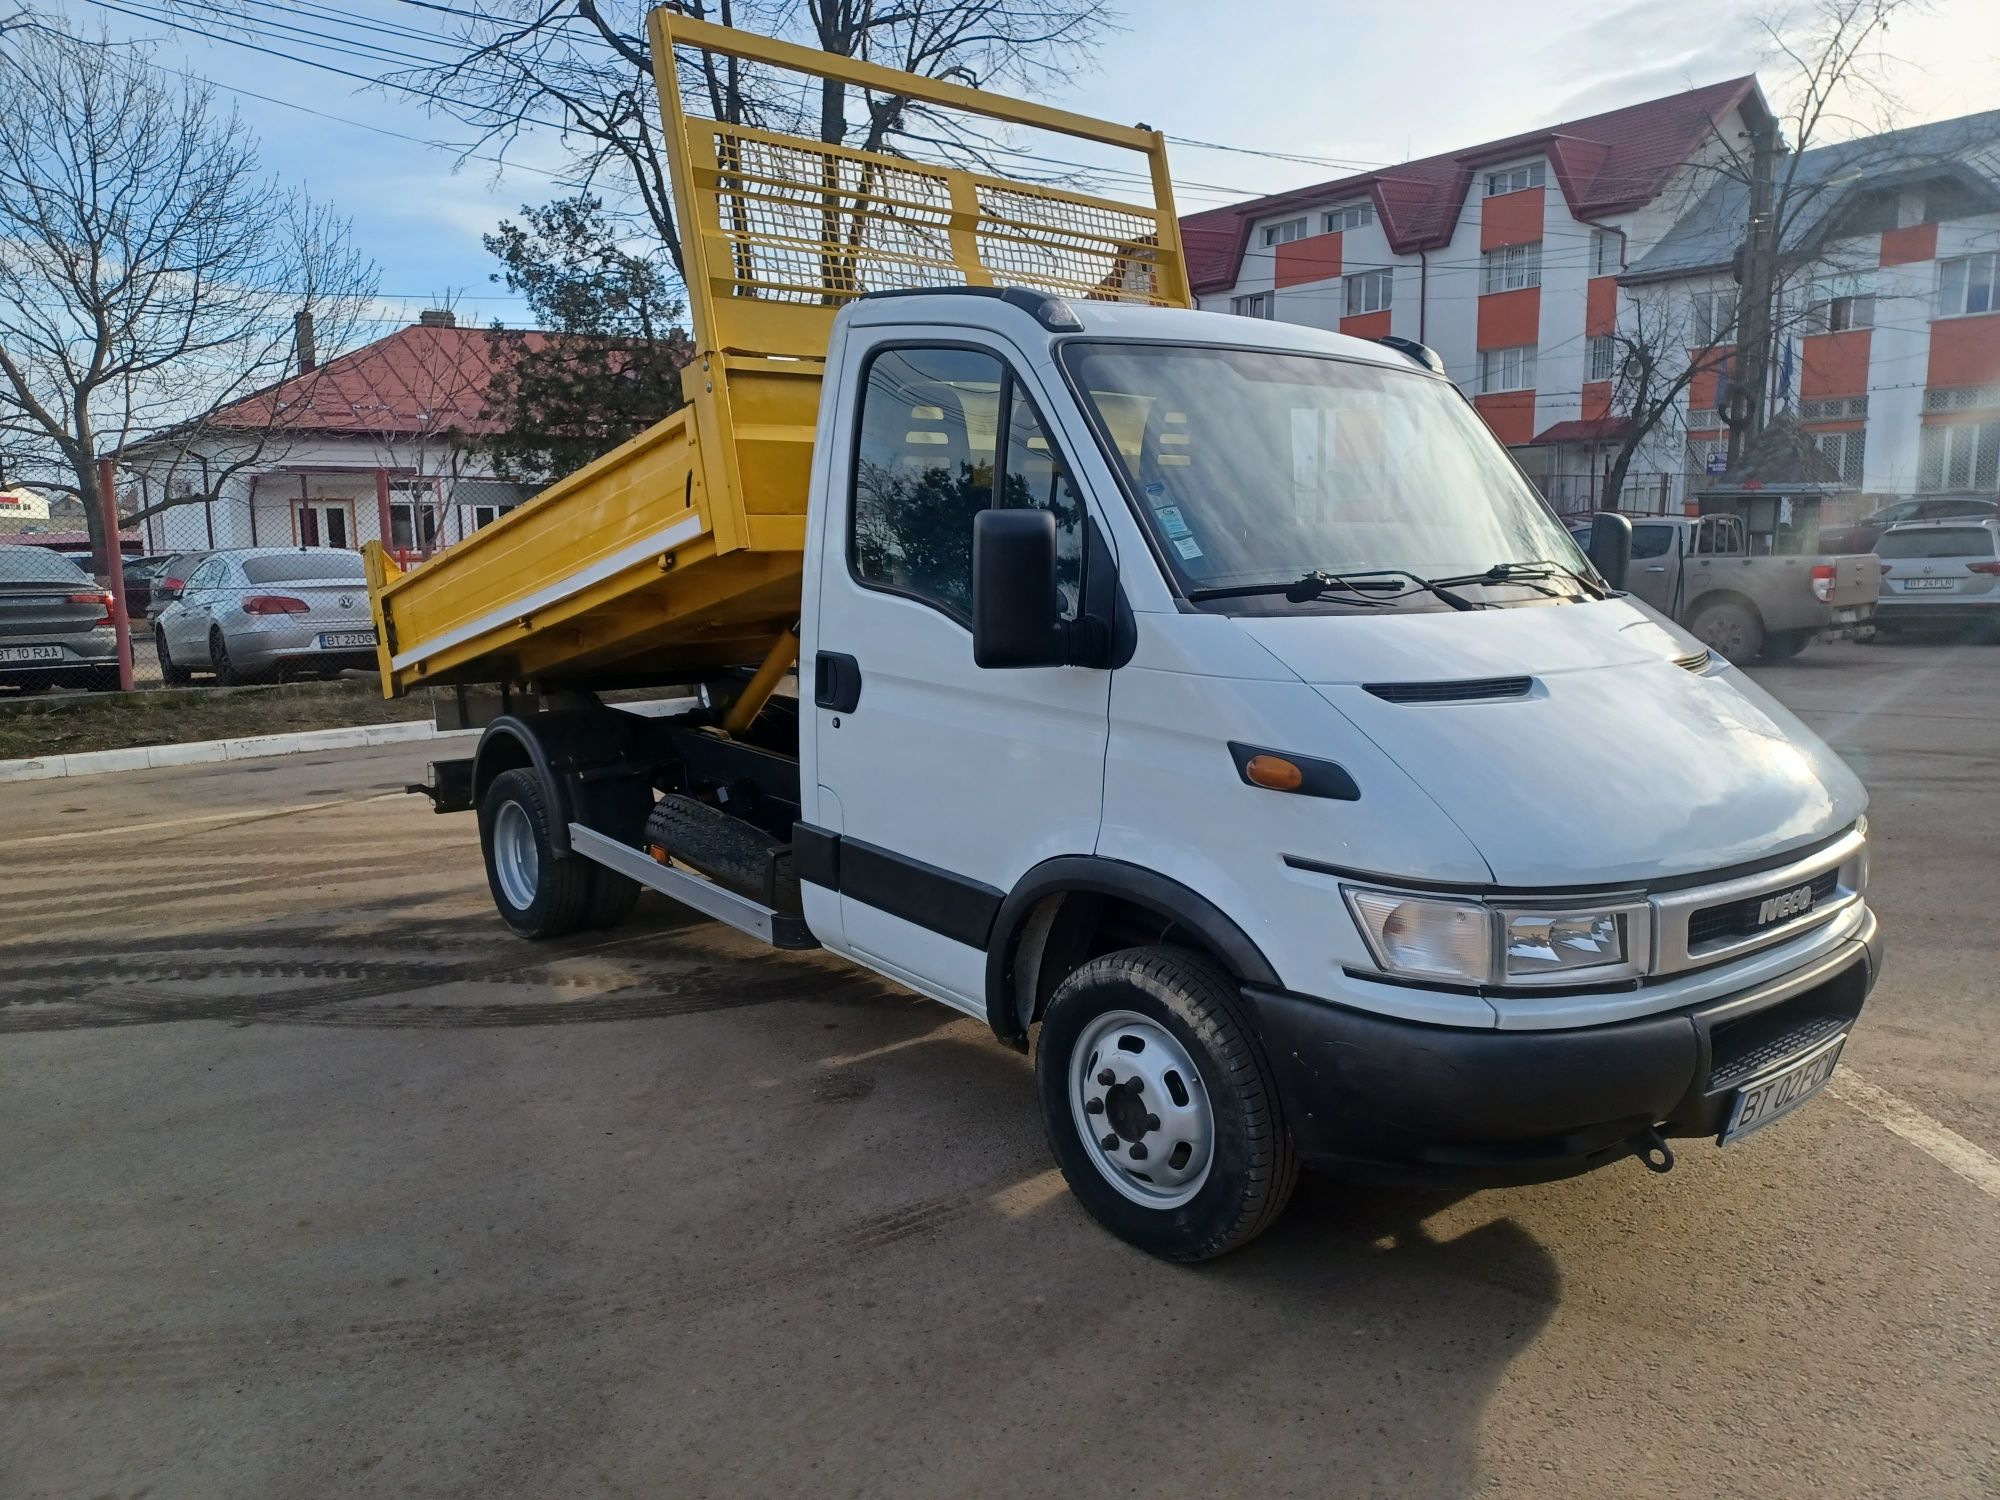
[{"x": 1654, "y": 1151}]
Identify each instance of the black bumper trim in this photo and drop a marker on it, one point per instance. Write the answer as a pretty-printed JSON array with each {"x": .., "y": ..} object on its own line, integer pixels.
[{"x": 1370, "y": 1096}]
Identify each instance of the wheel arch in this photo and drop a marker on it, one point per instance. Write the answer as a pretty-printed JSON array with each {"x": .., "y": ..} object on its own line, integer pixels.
[
  {"x": 509, "y": 743},
  {"x": 1726, "y": 595},
  {"x": 1059, "y": 913}
]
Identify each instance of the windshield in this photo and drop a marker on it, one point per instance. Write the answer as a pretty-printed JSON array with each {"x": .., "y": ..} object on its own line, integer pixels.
[{"x": 1252, "y": 466}]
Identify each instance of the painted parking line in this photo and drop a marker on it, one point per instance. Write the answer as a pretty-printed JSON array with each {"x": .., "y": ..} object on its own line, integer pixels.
[{"x": 1939, "y": 1142}]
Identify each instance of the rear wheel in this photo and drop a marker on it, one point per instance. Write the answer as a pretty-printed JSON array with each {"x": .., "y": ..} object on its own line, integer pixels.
[
  {"x": 1783, "y": 645},
  {"x": 1729, "y": 628},
  {"x": 219, "y": 663},
  {"x": 170, "y": 674},
  {"x": 538, "y": 893},
  {"x": 1159, "y": 1106}
]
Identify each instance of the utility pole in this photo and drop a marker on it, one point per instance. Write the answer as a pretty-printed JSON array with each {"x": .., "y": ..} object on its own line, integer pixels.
[{"x": 1757, "y": 273}]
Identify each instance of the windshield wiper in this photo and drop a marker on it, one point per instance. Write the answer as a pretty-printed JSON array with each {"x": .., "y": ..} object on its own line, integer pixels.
[
  {"x": 1299, "y": 591},
  {"x": 1529, "y": 573},
  {"x": 1439, "y": 587}
]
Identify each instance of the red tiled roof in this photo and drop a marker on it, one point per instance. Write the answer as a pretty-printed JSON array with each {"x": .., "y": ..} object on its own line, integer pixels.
[
  {"x": 1583, "y": 430},
  {"x": 419, "y": 380},
  {"x": 1602, "y": 163}
]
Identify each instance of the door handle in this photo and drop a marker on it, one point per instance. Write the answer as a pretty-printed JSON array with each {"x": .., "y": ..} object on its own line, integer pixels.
[
  {"x": 1657, "y": 568},
  {"x": 836, "y": 681}
]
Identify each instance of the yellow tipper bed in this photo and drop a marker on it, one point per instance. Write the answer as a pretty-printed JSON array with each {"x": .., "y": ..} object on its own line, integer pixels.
[{"x": 679, "y": 552}]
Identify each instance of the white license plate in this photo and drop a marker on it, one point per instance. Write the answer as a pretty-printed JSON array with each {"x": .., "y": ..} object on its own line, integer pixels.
[
  {"x": 1761, "y": 1102},
  {"x": 1929, "y": 583},
  {"x": 31, "y": 653},
  {"x": 335, "y": 640}
]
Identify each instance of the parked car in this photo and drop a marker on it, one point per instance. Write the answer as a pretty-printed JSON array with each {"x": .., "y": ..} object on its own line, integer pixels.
[
  {"x": 173, "y": 577},
  {"x": 252, "y": 614},
  {"x": 141, "y": 573},
  {"x": 55, "y": 624},
  {"x": 1863, "y": 534},
  {"x": 1938, "y": 574}
]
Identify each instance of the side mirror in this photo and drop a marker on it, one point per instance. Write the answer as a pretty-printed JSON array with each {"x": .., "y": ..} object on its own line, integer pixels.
[
  {"x": 1016, "y": 620},
  {"x": 1611, "y": 547}
]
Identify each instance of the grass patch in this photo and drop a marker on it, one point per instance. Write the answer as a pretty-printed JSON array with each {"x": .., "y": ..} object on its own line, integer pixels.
[{"x": 68, "y": 725}]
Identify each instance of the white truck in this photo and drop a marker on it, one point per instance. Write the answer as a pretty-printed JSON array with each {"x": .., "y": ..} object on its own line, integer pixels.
[{"x": 1209, "y": 704}]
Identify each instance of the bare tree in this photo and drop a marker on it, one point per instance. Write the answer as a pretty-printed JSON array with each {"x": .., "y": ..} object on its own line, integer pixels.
[
  {"x": 586, "y": 69},
  {"x": 1836, "y": 63},
  {"x": 151, "y": 275}
]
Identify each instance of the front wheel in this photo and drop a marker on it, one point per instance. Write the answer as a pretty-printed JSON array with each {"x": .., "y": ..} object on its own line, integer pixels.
[
  {"x": 1159, "y": 1106},
  {"x": 538, "y": 892}
]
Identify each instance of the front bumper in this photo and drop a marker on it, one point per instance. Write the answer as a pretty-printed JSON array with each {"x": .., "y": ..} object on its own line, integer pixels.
[{"x": 1366, "y": 1095}]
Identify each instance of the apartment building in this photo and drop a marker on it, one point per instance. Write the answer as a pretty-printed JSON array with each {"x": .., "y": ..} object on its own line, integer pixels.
[
  {"x": 1527, "y": 262},
  {"x": 1886, "y": 347}
]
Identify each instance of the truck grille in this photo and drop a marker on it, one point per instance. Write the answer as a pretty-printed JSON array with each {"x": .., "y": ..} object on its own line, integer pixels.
[{"x": 1738, "y": 919}]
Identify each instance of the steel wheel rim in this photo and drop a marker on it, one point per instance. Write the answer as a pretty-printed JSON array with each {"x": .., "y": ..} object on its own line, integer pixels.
[
  {"x": 1725, "y": 634},
  {"x": 517, "y": 859},
  {"x": 1132, "y": 1083}
]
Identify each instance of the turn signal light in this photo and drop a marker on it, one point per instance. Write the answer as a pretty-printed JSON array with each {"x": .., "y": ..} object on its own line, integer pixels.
[
  {"x": 1273, "y": 771},
  {"x": 273, "y": 604}
]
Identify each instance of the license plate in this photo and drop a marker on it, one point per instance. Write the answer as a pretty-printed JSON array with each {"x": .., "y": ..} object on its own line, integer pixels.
[
  {"x": 334, "y": 640},
  {"x": 1929, "y": 583},
  {"x": 31, "y": 653},
  {"x": 1759, "y": 1103}
]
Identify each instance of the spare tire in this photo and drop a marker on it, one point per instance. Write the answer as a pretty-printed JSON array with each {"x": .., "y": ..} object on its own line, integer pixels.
[{"x": 736, "y": 855}]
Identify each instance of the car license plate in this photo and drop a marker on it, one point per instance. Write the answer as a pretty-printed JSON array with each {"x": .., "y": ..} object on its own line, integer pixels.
[
  {"x": 31, "y": 653},
  {"x": 334, "y": 640},
  {"x": 1930, "y": 583},
  {"x": 1761, "y": 1102}
]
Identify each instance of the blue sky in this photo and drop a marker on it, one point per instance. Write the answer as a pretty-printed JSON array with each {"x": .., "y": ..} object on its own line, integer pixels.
[{"x": 1366, "y": 82}]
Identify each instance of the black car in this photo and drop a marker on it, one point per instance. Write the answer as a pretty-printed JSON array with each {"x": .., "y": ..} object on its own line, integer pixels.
[{"x": 1863, "y": 534}]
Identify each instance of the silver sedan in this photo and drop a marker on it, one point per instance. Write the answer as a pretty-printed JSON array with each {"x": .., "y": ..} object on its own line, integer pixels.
[{"x": 253, "y": 614}]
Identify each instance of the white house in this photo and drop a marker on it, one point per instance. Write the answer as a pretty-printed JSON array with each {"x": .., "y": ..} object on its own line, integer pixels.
[{"x": 370, "y": 445}]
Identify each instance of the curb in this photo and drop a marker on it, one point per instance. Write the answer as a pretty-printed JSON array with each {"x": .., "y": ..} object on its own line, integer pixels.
[
  {"x": 202, "y": 752},
  {"x": 256, "y": 746}
]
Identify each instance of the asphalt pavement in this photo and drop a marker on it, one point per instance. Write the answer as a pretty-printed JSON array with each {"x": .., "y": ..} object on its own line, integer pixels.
[{"x": 318, "y": 1183}]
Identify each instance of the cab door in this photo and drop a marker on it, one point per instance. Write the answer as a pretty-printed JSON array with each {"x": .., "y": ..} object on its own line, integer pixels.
[
  {"x": 1655, "y": 566},
  {"x": 946, "y": 781}
]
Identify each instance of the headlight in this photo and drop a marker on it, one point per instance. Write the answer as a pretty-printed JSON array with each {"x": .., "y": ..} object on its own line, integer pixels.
[
  {"x": 1425, "y": 937},
  {"x": 1474, "y": 942}
]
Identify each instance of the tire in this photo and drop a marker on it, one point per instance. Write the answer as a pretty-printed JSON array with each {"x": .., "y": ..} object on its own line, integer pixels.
[
  {"x": 1182, "y": 1012},
  {"x": 1783, "y": 645},
  {"x": 170, "y": 675},
  {"x": 225, "y": 671},
  {"x": 612, "y": 897},
  {"x": 537, "y": 892},
  {"x": 1730, "y": 629}
]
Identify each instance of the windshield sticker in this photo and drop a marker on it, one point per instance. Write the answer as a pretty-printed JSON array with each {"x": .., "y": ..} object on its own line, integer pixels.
[
  {"x": 1188, "y": 548},
  {"x": 1171, "y": 522}
]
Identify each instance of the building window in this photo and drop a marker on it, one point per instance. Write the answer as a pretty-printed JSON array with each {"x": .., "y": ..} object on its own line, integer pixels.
[
  {"x": 1844, "y": 453},
  {"x": 1369, "y": 291},
  {"x": 1349, "y": 216},
  {"x": 1514, "y": 179},
  {"x": 1966, "y": 285},
  {"x": 1510, "y": 269},
  {"x": 1712, "y": 318},
  {"x": 1701, "y": 452},
  {"x": 413, "y": 518},
  {"x": 1838, "y": 303},
  {"x": 1962, "y": 456},
  {"x": 1285, "y": 233},
  {"x": 1507, "y": 369},
  {"x": 485, "y": 515},
  {"x": 1256, "y": 305},
  {"x": 1603, "y": 357},
  {"x": 1836, "y": 409},
  {"x": 1605, "y": 252},
  {"x": 1961, "y": 397}
]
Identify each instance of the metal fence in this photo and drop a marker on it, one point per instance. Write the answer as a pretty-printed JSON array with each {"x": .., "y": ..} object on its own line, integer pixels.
[{"x": 1642, "y": 494}]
